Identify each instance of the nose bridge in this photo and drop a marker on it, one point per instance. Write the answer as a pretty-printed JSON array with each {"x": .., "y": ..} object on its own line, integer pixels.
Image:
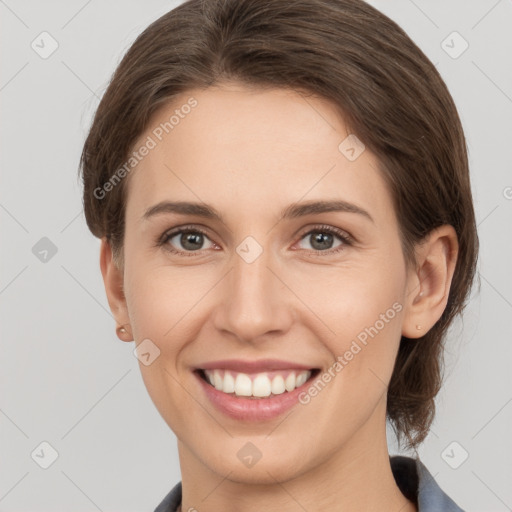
[
  {"x": 253, "y": 304},
  {"x": 251, "y": 276}
]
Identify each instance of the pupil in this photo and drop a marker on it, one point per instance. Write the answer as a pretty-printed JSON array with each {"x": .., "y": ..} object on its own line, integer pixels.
[
  {"x": 189, "y": 239},
  {"x": 323, "y": 240}
]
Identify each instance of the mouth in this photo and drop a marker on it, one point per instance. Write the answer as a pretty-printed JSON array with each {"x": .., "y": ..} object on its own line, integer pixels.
[
  {"x": 234, "y": 394},
  {"x": 256, "y": 386},
  {"x": 253, "y": 390}
]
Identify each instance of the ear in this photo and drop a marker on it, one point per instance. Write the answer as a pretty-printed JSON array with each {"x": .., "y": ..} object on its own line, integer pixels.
[
  {"x": 428, "y": 285},
  {"x": 113, "y": 280}
]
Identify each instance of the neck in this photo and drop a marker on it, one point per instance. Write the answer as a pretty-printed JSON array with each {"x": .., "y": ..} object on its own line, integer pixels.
[{"x": 355, "y": 478}]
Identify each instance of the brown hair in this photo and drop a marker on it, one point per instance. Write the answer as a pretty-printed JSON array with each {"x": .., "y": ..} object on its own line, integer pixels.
[{"x": 390, "y": 95}]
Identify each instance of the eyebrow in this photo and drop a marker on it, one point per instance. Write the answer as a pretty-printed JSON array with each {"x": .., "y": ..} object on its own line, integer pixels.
[{"x": 290, "y": 212}]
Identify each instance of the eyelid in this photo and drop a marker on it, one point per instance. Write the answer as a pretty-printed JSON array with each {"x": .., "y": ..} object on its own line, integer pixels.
[
  {"x": 169, "y": 233},
  {"x": 341, "y": 233},
  {"x": 172, "y": 232}
]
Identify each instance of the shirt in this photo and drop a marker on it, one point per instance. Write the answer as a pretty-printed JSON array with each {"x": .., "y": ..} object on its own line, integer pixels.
[{"x": 412, "y": 477}]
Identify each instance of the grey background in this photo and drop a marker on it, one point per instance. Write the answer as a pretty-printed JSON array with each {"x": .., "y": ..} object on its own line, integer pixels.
[{"x": 66, "y": 379}]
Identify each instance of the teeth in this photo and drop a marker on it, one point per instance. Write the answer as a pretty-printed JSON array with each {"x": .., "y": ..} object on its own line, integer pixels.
[
  {"x": 278, "y": 385},
  {"x": 289, "y": 383},
  {"x": 229, "y": 383},
  {"x": 301, "y": 378},
  {"x": 218, "y": 380},
  {"x": 260, "y": 385},
  {"x": 243, "y": 385}
]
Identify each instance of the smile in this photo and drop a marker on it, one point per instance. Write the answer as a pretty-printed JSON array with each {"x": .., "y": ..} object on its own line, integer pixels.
[
  {"x": 259, "y": 385},
  {"x": 253, "y": 395}
]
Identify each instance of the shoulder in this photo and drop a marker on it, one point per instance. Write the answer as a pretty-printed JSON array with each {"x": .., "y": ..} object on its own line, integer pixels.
[
  {"x": 172, "y": 500},
  {"x": 418, "y": 485}
]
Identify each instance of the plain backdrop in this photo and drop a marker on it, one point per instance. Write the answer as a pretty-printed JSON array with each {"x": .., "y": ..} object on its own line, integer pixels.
[{"x": 66, "y": 380}]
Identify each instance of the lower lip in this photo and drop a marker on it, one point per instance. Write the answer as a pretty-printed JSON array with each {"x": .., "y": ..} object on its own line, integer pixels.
[{"x": 249, "y": 409}]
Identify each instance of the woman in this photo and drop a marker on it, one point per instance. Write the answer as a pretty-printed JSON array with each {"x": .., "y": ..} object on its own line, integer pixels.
[{"x": 283, "y": 197}]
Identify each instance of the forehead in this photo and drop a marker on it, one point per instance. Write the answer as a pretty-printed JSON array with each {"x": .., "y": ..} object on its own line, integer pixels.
[{"x": 236, "y": 146}]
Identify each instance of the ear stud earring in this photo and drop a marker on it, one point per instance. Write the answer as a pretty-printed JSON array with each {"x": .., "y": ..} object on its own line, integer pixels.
[
  {"x": 418, "y": 327},
  {"x": 121, "y": 330}
]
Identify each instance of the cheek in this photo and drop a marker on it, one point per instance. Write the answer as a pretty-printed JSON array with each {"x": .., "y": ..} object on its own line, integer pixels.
[
  {"x": 350, "y": 299},
  {"x": 161, "y": 309},
  {"x": 366, "y": 318},
  {"x": 371, "y": 313},
  {"x": 362, "y": 308},
  {"x": 161, "y": 298}
]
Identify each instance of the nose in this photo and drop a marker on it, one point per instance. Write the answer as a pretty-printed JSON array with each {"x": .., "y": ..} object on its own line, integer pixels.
[{"x": 254, "y": 302}]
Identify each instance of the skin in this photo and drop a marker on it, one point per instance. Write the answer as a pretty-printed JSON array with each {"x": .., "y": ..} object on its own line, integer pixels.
[{"x": 249, "y": 153}]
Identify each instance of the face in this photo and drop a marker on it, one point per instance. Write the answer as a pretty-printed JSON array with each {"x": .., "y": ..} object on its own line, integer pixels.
[{"x": 318, "y": 289}]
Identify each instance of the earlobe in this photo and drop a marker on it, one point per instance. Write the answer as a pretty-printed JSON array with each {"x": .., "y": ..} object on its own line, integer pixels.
[
  {"x": 124, "y": 333},
  {"x": 113, "y": 280},
  {"x": 429, "y": 284}
]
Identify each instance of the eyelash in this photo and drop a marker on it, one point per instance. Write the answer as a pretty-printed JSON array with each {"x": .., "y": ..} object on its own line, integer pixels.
[{"x": 342, "y": 235}]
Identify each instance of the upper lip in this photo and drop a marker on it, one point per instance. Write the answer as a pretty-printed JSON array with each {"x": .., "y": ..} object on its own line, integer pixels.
[{"x": 261, "y": 365}]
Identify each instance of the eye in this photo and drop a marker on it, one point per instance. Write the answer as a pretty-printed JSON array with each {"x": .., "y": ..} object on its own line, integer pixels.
[
  {"x": 322, "y": 237},
  {"x": 191, "y": 240}
]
